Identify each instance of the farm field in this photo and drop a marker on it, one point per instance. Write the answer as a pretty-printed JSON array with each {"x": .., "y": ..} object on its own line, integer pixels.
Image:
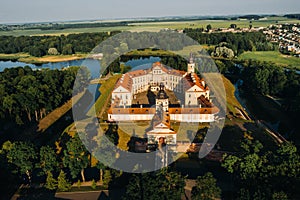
[{"x": 156, "y": 26}]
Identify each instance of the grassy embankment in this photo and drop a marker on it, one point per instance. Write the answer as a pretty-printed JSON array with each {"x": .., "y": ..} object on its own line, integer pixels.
[
  {"x": 103, "y": 101},
  {"x": 232, "y": 102},
  {"x": 272, "y": 56},
  {"x": 25, "y": 57}
]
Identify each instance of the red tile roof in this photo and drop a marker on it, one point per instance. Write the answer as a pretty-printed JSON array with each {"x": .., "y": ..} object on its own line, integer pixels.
[
  {"x": 193, "y": 79},
  {"x": 131, "y": 111},
  {"x": 212, "y": 110},
  {"x": 189, "y": 80}
]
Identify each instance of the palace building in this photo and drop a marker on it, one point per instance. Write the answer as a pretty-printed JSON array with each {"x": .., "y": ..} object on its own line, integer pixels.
[
  {"x": 189, "y": 92},
  {"x": 194, "y": 103}
]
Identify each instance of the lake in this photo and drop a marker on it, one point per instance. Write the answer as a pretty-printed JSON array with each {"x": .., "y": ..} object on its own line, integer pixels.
[{"x": 92, "y": 64}]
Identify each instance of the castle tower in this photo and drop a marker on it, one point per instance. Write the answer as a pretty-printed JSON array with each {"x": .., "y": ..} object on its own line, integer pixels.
[
  {"x": 191, "y": 65},
  {"x": 162, "y": 98}
]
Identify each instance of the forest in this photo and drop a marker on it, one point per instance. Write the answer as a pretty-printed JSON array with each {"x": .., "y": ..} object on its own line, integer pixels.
[
  {"x": 85, "y": 42},
  {"x": 28, "y": 95},
  {"x": 39, "y": 45},
  {"x": 238, "y": 42}
]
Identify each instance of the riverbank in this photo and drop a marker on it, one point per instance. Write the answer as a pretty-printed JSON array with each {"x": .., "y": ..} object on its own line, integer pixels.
[{"x": 25, "y": 57}]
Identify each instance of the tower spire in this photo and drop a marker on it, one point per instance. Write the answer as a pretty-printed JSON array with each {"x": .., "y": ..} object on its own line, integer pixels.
[
  {"x": 191, "y": 64},
  {"x": 191, "y": 60}
]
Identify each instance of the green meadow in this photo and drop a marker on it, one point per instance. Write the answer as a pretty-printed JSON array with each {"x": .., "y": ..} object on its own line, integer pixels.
[{"x": 272, "y": 56}]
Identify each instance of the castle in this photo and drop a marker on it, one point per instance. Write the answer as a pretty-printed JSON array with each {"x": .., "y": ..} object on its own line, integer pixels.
[{"x": 192, "y": 95}]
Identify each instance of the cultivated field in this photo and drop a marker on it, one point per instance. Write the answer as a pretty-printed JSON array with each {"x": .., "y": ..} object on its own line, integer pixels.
[{"x": 156, "y": 26}]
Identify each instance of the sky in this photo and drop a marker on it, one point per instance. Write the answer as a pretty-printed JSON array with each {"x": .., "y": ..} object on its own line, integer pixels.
[{"x": 22, "y": 11}]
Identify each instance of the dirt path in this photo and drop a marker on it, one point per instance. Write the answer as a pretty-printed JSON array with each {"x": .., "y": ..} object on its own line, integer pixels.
[{"x": 52, "y": 117}]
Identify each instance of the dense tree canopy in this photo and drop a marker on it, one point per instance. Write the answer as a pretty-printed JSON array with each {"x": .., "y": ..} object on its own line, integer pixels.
[
  {"x": 161, "y": 185},
  {"x": 23, "y": 155},
  {"x": 260, "y": 173},
  {"x": 48, "y": 159},
  {"x": 238, "y": 42},
  {"x": 76, "y": 157},
  {"x": 206, "y": 188},
  {"x": 40, "y": 45},
  {"x": 269, "y": 79},
  {"x": 28, "y": 95}
]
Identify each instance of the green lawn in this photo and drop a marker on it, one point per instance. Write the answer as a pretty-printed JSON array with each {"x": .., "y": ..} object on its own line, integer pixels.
[{"x": 272, "y": 56}]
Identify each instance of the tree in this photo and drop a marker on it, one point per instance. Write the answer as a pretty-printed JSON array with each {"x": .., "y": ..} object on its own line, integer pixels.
[
  {"x": 260, "y": 173},
  {"x": 221, "y": 66},
  {"x": 250, "y": 164},
  {"x": 171, "y": 184},
  {"x": 206, "y": 188},
  {"x": 23, "y": 155},
  {"x": 208, "y": 27},
  {"x": 167, "y": 185},
  {"x": 6, "y": 147},
  {"x": 52, "y": 51},
  {"x": 107, "y": 177},
  {"x": 62, "y": 183},
  {"x": 76, "y": 157},
  {"x": 279, "y": 196},
  {"x": 233, "y": 26},
  {"x": 123, "y": 48},
  {"x": 108, "y": 49},
  {"x": 9, "y": 103},
  {"x": 223, "y": 52},
  {"x": 36, "y": 51},
  {"x": 101, "y": 167},
  {"x": 51, "y": 183},
  {"x": 93, "y": 185},
  {"x": 48, "y": 159},
  {"x": 68, "y": 49}
]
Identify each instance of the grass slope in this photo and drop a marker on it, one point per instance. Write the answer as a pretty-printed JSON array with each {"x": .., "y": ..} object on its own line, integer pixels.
[{"x": 103, "y": 101}]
